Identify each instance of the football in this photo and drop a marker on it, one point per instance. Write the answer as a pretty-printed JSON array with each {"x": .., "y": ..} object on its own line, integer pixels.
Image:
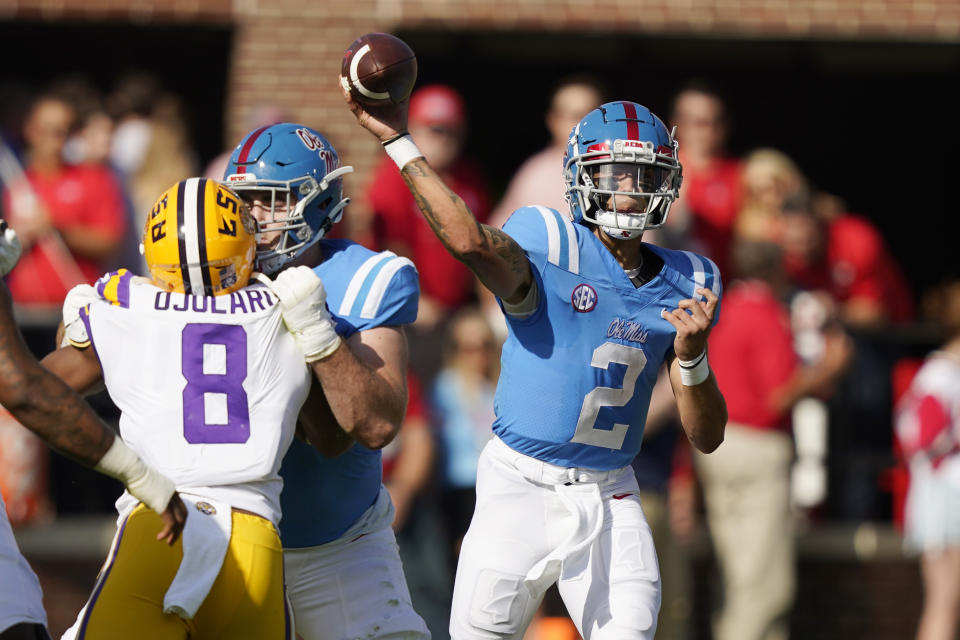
[{"x": 379, "y": 69}]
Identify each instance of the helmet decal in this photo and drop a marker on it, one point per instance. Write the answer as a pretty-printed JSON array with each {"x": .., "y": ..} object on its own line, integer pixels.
[
  {"x": 630, "y": 113},
  {"x": 243, "y": 154}
]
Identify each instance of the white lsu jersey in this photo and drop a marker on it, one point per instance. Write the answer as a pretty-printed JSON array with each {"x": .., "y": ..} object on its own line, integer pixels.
[{"x": 209, "y": 387}]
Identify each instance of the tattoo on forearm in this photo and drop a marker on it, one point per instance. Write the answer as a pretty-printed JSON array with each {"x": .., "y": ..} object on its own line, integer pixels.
[
  {"x": 42, "y": 402},
  {"x": 66, "y": 422},
  {"x": 418, "y": 168},
  {"x": 506, "y": 248},
  {"x": 449, "y": 223}
]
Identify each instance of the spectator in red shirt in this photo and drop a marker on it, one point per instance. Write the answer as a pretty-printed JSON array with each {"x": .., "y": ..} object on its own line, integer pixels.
[
  {"x": 70, "y": 218},
  {"x": 711, "y": 192},
  {"x": 845, "y": 255},
  {"x": 746, "y": 482}
]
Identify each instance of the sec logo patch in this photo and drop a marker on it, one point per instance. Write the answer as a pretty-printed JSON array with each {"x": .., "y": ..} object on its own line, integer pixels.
[{"x": 583, "y": 298}]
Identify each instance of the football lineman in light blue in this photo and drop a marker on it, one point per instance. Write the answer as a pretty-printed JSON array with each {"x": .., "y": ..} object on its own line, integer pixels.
[
  {"x": 592, "y": 314},
  {"x": 342, "y": 571},
  {"x": 324, "y": 496}
]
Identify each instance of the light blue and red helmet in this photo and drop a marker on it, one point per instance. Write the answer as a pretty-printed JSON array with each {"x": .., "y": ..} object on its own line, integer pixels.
[
  {"x": 613, "y": 143},
  {"x": 290, "y": 162}
]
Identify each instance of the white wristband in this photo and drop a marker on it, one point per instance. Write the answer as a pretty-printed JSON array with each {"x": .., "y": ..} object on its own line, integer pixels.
[
  {"x": 402, "y": 150},
  {"x": 148, "y": 485},
  {"x": 693, "y": 372}
]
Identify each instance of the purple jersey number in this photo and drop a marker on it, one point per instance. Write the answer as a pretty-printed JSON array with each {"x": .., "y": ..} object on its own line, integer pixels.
[{"x": 196, "y": 429}]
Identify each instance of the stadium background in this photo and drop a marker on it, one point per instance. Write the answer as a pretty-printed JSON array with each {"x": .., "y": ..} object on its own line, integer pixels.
[{"x": 855, "y": 90}]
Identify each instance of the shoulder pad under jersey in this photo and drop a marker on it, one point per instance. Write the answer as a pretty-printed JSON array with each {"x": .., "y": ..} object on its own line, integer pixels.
[
  {"x": 114, "y": 287},
  {"x": 546, "y": 236},
  {"x": 367, "y": 289}
]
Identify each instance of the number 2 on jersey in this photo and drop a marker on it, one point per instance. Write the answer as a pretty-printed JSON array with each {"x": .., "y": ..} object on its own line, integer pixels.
[
  {"x": 603, "y": 356},
  {"x": 225, "y": 384}
]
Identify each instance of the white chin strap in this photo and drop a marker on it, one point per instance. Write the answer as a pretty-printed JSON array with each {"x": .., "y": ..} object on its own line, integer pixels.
[
  {"x": 622, "y": 234},
  {"x": 621, "y": 226}
]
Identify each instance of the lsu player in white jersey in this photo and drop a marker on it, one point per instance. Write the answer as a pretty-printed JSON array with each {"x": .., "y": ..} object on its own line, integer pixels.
[
  {"x": 209, "y": 383},
  {"x": 592, "y": 313},
  {"x": 46, "y": 406},
  {"x": 344, "y": 577}
]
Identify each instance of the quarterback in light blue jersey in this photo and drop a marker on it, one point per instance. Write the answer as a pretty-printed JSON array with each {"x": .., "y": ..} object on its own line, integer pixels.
[
  {"x": 592, "y": 313},
  {"x": 342, "y": 570}
]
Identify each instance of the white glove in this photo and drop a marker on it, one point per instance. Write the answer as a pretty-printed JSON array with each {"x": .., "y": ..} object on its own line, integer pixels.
[
  {"x": 303, "y": 304},
  {"x": 75, "y": 332},
  {"x": 9, "y": 248}
]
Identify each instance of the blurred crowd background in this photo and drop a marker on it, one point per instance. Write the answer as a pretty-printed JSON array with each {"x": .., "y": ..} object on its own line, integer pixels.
[{"x": 817, "y": 164}]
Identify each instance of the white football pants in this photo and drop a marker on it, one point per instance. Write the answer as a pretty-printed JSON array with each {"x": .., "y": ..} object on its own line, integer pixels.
[
  {"x": 535, "y": 524},
  {"x": 352, "y": 588}
]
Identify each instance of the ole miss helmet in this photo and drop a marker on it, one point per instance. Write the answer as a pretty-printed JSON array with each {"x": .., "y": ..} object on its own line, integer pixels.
[
  {"x": 621, "y": 169},
  {"x": 295, "y": 173}
]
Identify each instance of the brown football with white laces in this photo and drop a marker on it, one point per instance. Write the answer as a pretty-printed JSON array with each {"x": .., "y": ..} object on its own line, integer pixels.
[{"x": 379, "y": 69}]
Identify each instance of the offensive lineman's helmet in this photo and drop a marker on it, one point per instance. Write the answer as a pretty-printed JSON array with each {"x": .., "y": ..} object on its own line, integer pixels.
[
  {"x": 615, "y": 142},
  {"x": 297, "y": 173},
  {"x": 199, "y": 239}
]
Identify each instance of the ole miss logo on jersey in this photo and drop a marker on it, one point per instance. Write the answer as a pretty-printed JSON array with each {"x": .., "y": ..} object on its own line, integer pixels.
[{"x": 583, "y": 298}]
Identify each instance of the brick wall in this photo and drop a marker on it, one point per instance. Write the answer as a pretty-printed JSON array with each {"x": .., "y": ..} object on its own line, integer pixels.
[
  {"x": 289, "y": 50},
  {"x": 292, "y": 48},
  {"x": 292, "y": 55}
]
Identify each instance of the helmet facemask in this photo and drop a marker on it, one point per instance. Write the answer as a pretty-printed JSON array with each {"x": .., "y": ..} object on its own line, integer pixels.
[
  {"x": 626, "y": 190},
  {"x": 299, "y": 212}
]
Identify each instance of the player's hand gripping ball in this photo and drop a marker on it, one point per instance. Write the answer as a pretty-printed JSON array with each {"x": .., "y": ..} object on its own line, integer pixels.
[{"x": 379, "y": 69}]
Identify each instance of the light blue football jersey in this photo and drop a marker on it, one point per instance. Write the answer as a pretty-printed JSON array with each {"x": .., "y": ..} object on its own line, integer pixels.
[
  {"x": 576, "y": 376},
  {"x": 323, "y": 497}
]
